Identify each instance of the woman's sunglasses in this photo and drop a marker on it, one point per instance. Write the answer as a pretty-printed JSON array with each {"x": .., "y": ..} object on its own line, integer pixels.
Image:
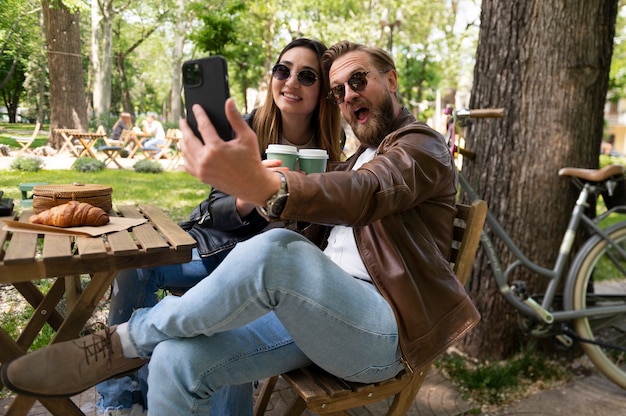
[{"x": 305, "y": 77}]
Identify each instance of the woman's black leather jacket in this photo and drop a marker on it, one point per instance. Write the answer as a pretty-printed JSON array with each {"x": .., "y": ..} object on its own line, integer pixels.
[{"x": 215, "y": 223}]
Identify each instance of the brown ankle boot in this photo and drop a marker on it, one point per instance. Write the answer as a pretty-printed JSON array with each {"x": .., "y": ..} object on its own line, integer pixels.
[{"x": 68, "y": 368}]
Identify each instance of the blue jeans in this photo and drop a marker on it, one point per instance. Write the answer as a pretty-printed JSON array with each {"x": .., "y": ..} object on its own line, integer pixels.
[
  {"x": 135, "y": 289},
  {"x": 153, "y": 143},
  {"x": 274, "y": 304}
]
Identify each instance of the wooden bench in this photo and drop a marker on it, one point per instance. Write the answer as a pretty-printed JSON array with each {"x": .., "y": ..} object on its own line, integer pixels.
[{"x": 323, "y": 393}]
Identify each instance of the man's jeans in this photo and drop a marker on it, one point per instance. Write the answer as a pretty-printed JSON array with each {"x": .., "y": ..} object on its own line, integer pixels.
[
  {"x": 134, "y": 289},
  {"x": 274, "y": 304}
]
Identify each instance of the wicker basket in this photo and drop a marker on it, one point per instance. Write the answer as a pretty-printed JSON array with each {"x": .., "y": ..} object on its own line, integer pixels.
[{"x": 48, "y": 196}]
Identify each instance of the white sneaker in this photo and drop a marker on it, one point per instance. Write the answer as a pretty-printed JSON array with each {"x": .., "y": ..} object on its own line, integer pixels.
[{"x": 136, "y": 410}]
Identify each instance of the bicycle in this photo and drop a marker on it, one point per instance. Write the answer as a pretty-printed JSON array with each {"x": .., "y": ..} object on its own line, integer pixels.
[{"x": 592, "y": 307}]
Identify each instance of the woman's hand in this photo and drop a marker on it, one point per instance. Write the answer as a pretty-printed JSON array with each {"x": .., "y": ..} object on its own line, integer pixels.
[{"x": 233, "y": 166}]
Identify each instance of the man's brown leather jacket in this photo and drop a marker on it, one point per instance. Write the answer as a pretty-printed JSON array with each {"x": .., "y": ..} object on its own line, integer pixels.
[{"x": 401, "y": 205}]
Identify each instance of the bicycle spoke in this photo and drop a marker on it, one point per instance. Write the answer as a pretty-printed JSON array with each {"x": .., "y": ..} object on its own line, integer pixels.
[{"x": 601, "y": 282}]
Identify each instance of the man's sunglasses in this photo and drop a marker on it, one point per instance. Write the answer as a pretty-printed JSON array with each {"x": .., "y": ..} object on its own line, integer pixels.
[
  {"x": 305, "y": 77},
  {"x": 357, "y": 82}
]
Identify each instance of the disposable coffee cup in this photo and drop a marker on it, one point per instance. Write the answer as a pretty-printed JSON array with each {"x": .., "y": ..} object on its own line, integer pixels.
[
  {"x": 287, "y": 154},
  {"x": 313, "y": 160}
]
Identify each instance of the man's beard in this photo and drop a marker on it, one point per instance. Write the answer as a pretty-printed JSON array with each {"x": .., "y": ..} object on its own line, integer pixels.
[{"x": 378, "y": 126}]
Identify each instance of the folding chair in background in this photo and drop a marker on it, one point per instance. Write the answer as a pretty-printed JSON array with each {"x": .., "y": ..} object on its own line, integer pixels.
[{"x": 26, "y": 142}]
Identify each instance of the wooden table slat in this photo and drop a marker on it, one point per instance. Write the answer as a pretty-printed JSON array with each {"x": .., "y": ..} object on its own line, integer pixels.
[
  {"x": 22, "y": 248},
  {"x": 57, "y": 247},
  {"x": 121, "y": 244},
  {"x": 129, "y": 211},
  {"x": 3, "y": 233},
  {"x": 89, "y": 247},
  {"x": 149, "y": 238},
  {"x": 176, "y": 236}
]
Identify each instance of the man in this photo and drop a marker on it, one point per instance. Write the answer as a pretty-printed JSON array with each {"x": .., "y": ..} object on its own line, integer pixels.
[
  {"x": 381, "y": 297},
  {"x": 155, "y": 134}
]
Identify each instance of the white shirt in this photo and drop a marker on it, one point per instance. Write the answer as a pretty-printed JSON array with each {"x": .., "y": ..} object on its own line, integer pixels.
[{"x": 341, "y": 246}]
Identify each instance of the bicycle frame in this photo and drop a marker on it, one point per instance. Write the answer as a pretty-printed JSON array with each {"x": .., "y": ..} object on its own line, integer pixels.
[{"x": 526, "y": 305}]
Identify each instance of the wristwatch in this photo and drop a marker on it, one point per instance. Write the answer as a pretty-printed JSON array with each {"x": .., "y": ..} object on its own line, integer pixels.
[{"x": 276, "y": 204}]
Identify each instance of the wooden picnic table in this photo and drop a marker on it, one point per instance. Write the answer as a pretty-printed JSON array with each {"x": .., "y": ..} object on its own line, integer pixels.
[
  {"x": 74, "y": 139},
  {"x": 135, "y": 141},
  {"x": 26, "y": 257}
]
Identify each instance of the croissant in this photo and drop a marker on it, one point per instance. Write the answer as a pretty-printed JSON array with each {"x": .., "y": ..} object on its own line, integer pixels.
[{"x": 72, "y": 214}]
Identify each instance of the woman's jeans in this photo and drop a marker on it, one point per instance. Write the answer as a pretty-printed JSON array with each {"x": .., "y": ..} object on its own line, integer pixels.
[
  {"x": 276, "y": 303},
  {"x": 134, "y": 289}
]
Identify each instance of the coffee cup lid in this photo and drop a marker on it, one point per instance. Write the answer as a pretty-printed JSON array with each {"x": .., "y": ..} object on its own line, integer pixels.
[
  {"x": 313, "y": 153},
  {"x": 281, "y": 148}
]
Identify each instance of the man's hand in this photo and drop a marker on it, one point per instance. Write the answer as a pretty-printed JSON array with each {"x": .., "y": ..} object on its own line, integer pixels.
[{"x": 232, "y": 166}]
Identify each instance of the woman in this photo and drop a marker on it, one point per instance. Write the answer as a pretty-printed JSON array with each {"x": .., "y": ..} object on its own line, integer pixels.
[
  {"x": 296, "y": 113},
  {"x": 122, "y": 123}
]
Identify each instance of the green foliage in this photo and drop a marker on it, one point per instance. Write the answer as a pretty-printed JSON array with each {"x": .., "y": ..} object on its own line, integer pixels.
[
  {"x": 88, "y": 164},
  {"x": 606, "y": 160},
  {"x": 14, "y": 322},
  {"x": 27, "y": 163},
  {"x": 617, "y": 75},
  {"x": 219, "y": 25},
  {"x": 491, "y": 382},
  {"x": 18, "y": 44},
  {"x": 148, "y": 166}
]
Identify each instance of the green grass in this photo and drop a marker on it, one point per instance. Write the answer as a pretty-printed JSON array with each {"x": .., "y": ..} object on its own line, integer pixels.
[
  {"x": 176, "y": 193},
  {"x": 495, "y": 382},
  {"x": 8, "y": 131}
]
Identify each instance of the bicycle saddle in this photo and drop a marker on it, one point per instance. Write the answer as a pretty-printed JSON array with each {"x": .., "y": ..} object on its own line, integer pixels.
[{"x": 593, "y": 175}]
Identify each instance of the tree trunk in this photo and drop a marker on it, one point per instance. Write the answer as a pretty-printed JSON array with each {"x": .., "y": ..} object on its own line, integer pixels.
[
  {"x": 68, "y": 108},
  {"x": 182, "y": 24},
  {"x": 102, "y": 56},
  {"x": 547, "y": 63},
  {"x": 126, "y": 99}
]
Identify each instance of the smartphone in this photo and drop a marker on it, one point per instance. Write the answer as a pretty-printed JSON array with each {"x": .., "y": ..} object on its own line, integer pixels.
[{"x": 205, "y": 82}]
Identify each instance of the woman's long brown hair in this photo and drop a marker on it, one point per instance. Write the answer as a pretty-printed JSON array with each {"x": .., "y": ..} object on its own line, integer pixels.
[{"x": 326, "y": 120}]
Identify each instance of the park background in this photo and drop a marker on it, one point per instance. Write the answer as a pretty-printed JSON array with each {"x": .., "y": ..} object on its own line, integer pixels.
[{"x": 557, "y": 68}]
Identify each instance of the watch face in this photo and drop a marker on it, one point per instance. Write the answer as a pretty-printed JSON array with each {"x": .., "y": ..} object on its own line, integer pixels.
[{"x": 278, "y": 206}]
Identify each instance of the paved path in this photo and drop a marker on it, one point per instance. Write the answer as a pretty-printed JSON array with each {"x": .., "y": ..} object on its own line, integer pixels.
[
  {"x": 589, "y": 396},
  {"x": 437, "y": 397}
]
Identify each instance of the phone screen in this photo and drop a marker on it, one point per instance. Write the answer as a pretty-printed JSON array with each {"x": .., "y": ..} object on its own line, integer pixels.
[{"x": 205, "y": 82}]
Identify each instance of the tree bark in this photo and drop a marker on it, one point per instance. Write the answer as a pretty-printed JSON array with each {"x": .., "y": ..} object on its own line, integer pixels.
[
  {"x": 182, "y": 25},
  {"x": 547, "y": 63},
  {"x": 68, "y": 106},
  {"x": 102, "y": 56}
]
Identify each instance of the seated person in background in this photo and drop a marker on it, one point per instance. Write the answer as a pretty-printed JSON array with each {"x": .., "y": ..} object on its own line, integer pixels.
[
  {"x": 122, "y": 123},
  {"x": 221, "y": 220},
  {"x": 368, "y": 294},
  {"x": 153, "y": 129}
]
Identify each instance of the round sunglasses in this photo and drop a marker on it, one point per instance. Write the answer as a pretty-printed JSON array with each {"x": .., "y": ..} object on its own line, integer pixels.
[
  {"x": 357, "y": 83},
  {"x": 306, "y": 77}
]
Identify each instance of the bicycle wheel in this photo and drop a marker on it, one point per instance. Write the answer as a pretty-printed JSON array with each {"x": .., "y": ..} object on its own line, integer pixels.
[{"x": 601, "y": 281}]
